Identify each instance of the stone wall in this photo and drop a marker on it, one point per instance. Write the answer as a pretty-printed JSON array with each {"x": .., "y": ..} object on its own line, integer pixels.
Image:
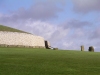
[{"x": 21, "y": 39}]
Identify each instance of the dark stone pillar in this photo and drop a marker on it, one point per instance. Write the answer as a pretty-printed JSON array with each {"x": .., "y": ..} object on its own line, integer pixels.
[{"x": 47, "y": 45}]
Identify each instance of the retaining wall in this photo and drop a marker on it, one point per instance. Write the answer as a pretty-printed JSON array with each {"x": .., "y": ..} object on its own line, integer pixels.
[{"x": 21, "y": 39}]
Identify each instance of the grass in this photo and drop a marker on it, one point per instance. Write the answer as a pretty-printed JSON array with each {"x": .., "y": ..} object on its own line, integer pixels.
[
  {"x": 5, "y": 28},
  {"x": 25, "y": 61}
]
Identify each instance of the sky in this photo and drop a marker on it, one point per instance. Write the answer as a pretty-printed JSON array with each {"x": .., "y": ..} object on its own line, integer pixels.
[{"x": 66, "y": 24}]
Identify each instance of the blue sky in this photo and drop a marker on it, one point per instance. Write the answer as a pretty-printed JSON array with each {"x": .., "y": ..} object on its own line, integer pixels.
[{"x": 67, "y": 24}]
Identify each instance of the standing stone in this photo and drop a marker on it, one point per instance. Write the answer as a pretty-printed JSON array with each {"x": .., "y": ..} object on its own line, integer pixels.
[
  {"x": 47, "y": 44},
  {"x": 91, "y": 49},
  {"x": 82, "y": 48}
]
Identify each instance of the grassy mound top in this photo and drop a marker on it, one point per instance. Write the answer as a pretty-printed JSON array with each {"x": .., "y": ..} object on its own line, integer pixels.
[{"x": 5, "y": 28}]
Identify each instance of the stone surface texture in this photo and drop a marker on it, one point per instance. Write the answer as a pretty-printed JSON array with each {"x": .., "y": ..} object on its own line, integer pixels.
[{"x": 23, "y": 39}]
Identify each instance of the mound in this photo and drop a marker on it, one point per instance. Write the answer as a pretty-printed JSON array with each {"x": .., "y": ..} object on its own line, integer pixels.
[
  {"x": 5, "y": 28},
  {"x": 10, "y": 37}
]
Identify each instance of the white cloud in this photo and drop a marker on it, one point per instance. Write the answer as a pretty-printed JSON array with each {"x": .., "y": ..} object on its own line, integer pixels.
[
  {"x": 65, "y": 44},
  {"x": 38, "y": 11},
  {"x": 41, "y": 28},
  {"x": 50, "y": 32}
]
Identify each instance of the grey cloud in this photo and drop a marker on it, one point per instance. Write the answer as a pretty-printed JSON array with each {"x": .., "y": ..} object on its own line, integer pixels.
[
  {"x": 95, "y": 34},
  {"x": 76, "y": 24},
  {"x": 85, "y": 6},
  {"x": 38, "y": 11},
  {"x": 60, "y": 1}
]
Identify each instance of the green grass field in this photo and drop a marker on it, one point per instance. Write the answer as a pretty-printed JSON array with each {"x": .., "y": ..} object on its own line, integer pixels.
[{"x": 24, "y": 61}]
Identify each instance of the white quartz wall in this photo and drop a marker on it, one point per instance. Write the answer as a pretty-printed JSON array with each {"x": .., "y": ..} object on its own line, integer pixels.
[{"x": 16, "y": 38}]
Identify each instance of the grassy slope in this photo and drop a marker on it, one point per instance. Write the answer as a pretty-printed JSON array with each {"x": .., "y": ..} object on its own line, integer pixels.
[
  {"x": 5, "y": 28},
  {"x": 24, "y": 61}
]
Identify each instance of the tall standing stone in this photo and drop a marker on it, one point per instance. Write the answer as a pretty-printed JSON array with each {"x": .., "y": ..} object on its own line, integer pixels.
[
  {"x": 47, "y": 44},
  {"x": 82, "y": 48}
]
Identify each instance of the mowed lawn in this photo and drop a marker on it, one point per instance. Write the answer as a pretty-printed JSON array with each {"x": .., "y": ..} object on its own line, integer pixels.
[{"x": 25, "y": 61}]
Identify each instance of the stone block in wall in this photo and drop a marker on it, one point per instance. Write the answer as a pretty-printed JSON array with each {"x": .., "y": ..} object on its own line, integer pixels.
[
  {"x": 22, "y": 46},
  {"x": 18, "y": 45},
  {"x": 30, "y": 46},
  {"x": 12, "y": 45},
  {"x": 6, "y": 45},
  {"x": 2, "y": 45},
  {"x": 40, "y": 46},
  {"x": 26, "y": 46},
  {"x": 33, "y": 47},
  {"x": 36, "y": 46},
  {"x": 15, "y": 45}
]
